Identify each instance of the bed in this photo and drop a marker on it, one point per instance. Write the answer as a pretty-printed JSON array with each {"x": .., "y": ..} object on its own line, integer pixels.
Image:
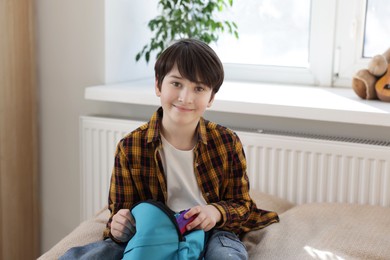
[{"x": 306, "y": 231}]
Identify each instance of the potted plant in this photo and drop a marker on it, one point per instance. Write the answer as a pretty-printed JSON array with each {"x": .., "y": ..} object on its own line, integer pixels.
[{"x": 186, "y": 19}]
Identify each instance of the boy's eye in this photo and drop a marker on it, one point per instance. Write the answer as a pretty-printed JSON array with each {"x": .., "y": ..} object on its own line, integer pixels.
[
  {"x": 176, "y": 84},
  {"x": 199, "y": 89}
]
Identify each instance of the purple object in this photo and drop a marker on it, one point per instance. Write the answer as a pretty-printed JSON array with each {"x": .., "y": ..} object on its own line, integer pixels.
[{"x": 182, "y": 222}]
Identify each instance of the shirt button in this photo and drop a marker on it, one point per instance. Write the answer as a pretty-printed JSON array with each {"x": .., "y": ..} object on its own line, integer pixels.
[
  {"x": 196, "y": 164},
  {"x": 207, "y": 194}
]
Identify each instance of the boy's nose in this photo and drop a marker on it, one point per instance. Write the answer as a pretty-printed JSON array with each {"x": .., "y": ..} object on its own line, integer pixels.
[{"x": 185, "y": 96}]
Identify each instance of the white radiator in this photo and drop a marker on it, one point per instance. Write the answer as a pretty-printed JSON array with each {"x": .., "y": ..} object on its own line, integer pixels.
[
  {"x": 98, "y": 139},
  {"x": 299, "y": 169}
]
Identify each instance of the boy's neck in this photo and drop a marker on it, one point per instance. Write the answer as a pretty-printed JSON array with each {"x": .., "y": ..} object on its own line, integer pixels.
[{"x": 183, "y": 138}]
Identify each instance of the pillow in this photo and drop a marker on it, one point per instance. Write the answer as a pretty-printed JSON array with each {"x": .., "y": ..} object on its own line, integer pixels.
[
  {"x": 269, "y": 202},
  {"x": 87, "y": 232},
  {"x": 324, "y": 231}
]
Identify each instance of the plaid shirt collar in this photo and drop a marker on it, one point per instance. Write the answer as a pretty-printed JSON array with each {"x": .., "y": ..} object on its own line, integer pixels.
[{"x": 153, "y": 132}]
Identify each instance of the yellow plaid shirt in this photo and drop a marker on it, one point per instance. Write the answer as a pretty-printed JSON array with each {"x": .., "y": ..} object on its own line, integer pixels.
[{"x": 219, "y": 166}]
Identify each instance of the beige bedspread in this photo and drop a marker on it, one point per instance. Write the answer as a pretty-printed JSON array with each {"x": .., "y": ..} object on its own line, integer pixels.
[
  {"x": 324, "y": 231},
  {"x": 309, "y": 231}
]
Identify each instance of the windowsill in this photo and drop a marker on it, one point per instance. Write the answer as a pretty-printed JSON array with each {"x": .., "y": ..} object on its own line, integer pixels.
[{"x": 301, "y": 102}]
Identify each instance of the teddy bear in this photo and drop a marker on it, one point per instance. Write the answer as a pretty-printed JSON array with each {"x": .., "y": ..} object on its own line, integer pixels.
[{"x": 370, "y": 83}]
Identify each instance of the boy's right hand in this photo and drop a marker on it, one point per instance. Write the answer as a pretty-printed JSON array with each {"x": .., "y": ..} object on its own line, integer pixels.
[{"x": 123, "y": 225}]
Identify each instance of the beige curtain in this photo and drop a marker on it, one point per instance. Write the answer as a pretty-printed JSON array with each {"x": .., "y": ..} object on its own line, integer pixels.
[{"x": 19, "y": 202}]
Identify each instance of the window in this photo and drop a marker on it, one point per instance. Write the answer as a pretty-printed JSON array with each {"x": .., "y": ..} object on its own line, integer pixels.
[
  {"x": 312, "y": 42},
  {"x": 263, "y": 30},
  {"x": 321, "y": 42}
]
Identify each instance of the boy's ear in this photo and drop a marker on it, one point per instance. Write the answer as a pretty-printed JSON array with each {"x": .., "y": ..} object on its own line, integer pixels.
[{"x": 156, "y": 88}]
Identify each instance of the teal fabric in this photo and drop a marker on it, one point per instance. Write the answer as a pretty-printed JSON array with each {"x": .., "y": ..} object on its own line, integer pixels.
[{"x": 158, "y": 237}]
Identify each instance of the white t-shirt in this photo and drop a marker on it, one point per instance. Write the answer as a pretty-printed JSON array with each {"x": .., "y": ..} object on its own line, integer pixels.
[{"x": 182, "y": 186}]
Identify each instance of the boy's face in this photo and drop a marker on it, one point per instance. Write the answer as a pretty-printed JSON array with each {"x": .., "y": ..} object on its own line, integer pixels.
[{"x": 183, "y": 101}]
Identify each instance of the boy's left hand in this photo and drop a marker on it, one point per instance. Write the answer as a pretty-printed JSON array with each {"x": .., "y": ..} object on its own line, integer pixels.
[{"x": 206, "y": 217}]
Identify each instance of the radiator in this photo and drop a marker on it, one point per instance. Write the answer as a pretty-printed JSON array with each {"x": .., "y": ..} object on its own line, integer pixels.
[
  {"x": 301, "y": 169},
  {"x": 98, "y": 139}
]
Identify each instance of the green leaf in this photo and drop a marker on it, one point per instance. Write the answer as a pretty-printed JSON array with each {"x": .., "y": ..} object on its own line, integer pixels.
[
  {"x": 147, "y": 56},
  {"x": 138, "y": 56}
]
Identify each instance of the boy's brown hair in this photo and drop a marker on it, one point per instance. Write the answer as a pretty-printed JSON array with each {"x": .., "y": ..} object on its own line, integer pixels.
[{"x": 195, "y": 60}]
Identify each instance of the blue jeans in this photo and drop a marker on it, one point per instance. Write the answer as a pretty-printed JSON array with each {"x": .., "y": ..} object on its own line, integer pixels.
[
  {"x": 220, "y": 245},
  {"x": 105, "y": 249},
  {"x": 224, "y": 245}
]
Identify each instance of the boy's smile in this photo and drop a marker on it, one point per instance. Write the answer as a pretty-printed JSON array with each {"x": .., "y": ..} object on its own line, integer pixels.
[{"x": 182, "y": 108}]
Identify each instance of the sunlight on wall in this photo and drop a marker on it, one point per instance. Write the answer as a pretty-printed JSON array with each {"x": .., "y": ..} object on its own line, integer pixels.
[{"x": 319, "y": 254}]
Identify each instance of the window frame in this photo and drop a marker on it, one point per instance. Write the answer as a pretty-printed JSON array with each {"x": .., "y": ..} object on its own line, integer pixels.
[{"x": 349, "y": 42}]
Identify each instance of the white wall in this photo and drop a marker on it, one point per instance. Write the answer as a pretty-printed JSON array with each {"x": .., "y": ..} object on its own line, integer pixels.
[
  {"x": 68, "y": 44},
  {"x": 72, "y": 53}
]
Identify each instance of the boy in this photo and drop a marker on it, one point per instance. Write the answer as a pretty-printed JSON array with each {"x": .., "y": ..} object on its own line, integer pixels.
[{"x": 185, "y": 161}]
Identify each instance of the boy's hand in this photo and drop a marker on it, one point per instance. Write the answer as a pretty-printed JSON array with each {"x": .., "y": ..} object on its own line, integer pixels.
[
  {"x": 123, "y": 225},
  {"x": 206, "y": 217}
]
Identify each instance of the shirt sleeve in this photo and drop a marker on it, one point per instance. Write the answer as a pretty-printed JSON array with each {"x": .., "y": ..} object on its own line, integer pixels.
[
  {"x": 239, "y": 212},
  {"x": 122, "y": 194}
]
